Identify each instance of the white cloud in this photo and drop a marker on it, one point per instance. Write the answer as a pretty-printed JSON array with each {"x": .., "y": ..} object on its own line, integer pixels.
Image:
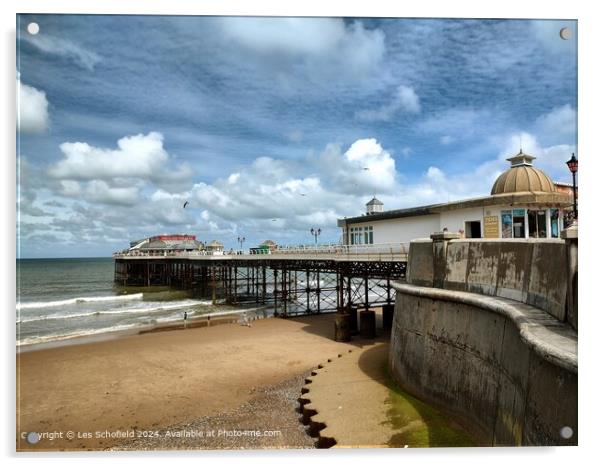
[
  {"x": 560, "y": 122},
  {"x": 317, "y": 44},
  {"x": 405, "y": 100},
  {"x": 364, "y": 168},
  {"x": 446, "y": 140},
  {"x": 141, "y": 156},
  {"x": 64, "y": 48},
  {"x": 32, "y": 110},
  {"x": 278, "y": 197}
]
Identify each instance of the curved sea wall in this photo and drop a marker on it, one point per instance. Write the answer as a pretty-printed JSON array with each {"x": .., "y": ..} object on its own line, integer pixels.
[{"x": 486, "y": 344}]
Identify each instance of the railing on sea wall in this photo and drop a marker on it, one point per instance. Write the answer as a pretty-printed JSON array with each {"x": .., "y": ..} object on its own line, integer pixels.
[{"x": 339, "y": 250}]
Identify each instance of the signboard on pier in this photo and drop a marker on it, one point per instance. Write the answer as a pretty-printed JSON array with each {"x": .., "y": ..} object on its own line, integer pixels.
[{"x": 492, "y": 226}]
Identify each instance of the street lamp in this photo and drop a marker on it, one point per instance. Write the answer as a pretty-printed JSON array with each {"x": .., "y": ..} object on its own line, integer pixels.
[
  {"x": 315, "y": 233},
  {"x": 572, "y": 164},
  {"x": 241, "y": 240}
]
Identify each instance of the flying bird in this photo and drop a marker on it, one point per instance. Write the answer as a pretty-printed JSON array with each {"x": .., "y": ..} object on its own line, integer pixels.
[{"x": 185, "y": 204}]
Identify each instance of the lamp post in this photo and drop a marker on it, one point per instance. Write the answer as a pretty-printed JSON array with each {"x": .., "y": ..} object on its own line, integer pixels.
[
  {"x": 315, "y": 234},
  {"x": 573, "y": 165},
  {"x": 241, "y": 240}
]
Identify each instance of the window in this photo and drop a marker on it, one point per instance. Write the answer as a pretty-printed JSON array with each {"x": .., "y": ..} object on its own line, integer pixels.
[
  {"x": 361, "y": 235},
  {"x": 518, "y": 223},
  {"x": 554, "y": 223},
  {"x": 537, "y": 224},
  {"x": 506, "y": 224}
]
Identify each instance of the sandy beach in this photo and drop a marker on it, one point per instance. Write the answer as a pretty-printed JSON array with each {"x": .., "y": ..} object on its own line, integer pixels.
[{"x": 140, "y": 384}]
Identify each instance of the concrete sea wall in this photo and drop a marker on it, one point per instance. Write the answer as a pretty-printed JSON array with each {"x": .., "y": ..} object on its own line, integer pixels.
[
  {"x": 481, "y": 330},
  {"x": 530, "y": 271}
]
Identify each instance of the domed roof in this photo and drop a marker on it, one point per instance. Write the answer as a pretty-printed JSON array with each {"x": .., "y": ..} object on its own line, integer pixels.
[{"x": 522, "y": 176}]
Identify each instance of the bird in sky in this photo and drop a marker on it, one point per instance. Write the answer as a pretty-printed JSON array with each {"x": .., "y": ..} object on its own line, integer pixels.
[{"x": 185, "y": 204}]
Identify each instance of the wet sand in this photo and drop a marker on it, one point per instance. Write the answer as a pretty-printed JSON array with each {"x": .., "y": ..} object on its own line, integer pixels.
[{"x": 137, "y": 385}]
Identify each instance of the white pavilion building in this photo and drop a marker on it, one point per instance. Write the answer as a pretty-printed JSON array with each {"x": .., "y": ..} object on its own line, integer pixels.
[{"x": 524, "y": 203}]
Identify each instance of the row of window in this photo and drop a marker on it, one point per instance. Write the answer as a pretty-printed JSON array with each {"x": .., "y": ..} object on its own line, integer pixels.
[
  {"x": 361, "y": 235},
  {"x": 515, "y": 221}
]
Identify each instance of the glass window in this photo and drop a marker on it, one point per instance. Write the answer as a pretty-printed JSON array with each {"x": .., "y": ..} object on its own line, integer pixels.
[
  {"x": 538, "y": 227},
  {"x": 518, "y": 223},
  {"x": 542, "y": 224},
  {"x": 554, "y": 223},
  {"x": 506, "y": 224}
]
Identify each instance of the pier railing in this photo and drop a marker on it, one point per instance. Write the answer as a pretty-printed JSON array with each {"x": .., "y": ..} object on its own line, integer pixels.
[{"x": 371, "y": 251}]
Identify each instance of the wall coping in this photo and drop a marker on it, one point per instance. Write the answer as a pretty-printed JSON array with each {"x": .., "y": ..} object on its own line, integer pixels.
[
  {"x": 493, "y": 240},
  {"x": 552, "y": 340}
]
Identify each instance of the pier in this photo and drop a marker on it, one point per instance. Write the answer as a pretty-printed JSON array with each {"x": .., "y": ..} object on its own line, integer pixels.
[{"x": 294, "y": 280}]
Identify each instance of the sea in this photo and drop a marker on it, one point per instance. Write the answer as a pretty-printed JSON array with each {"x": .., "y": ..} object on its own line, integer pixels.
[{"x": 62, "y": 299}]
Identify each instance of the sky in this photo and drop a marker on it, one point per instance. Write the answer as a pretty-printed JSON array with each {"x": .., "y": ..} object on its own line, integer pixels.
[{"x": 269, "y": 127}]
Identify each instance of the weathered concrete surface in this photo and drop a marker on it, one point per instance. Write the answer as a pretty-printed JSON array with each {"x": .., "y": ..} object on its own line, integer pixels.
[
  {"x": 570, "y": 235},
  {"x": 420, "y": 263},
  {"x": 508, "y": 367},
  {"x": 532, "y": 271},
  {"x": 349, "y": 402}
]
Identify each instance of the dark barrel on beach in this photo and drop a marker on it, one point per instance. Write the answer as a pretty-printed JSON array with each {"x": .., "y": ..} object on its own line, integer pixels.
[
  {"x": 367, "y": 324},
  {"x": 342, "y": 329},
  {"x": 388, "y": 316},
  {"x": 352, "y": 310}
]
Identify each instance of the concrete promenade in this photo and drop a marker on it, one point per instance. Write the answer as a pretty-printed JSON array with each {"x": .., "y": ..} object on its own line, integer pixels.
[{"x": 351, "y": 402}]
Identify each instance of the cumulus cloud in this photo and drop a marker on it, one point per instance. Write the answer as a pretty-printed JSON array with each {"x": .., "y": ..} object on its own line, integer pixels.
[
  {"x": 365, "y": 167},
  {"x": 139, "y": 156},
  {"x": 100, "y": 191},
  {"x": 64, "y": 48},
  {"x": 118, "y": 176},
  {"x": 405, "y": 100},
  {"x": 32, "y": 110}
]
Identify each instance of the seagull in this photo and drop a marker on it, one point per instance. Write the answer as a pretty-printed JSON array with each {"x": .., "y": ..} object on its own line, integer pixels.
[
  {"x": 273, "y": 220},
  {"x": 302, "y": 194},
  {"x": 366, "y": 168},
  {"x": 185, "y": 204}
]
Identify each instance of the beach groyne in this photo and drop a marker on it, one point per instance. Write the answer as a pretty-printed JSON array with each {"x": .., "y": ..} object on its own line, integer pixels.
[{"x": 486, "y": 329}]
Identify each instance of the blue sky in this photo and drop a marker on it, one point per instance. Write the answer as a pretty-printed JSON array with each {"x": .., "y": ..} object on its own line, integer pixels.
[{"x": 265, "y": 125}]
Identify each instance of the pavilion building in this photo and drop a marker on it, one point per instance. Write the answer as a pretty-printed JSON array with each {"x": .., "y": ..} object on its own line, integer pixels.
[{"x": 524, "y": 203}]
